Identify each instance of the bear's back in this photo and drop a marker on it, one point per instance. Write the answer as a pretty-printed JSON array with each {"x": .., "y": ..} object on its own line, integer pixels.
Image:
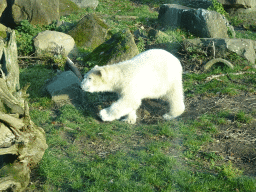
[
  {"x": 156, "y": 59},
  {"x": 150, "y": 73}
]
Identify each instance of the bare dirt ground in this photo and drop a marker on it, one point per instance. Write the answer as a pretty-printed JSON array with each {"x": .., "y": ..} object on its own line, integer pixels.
[{"x": 235, "y": 142}]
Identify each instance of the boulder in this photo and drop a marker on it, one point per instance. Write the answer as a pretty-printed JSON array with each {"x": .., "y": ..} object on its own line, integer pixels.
[
  {"x": 239, "y": 5},
  {"x": 243, "y": 47},
  {"x": 120, "y": 47},
  {"x": 65, "y": 88},
  {"x": 50, "y": 40},
  {"x": 41, "y": 12},
  {"x": 86, "y": 3},
  {"x": 197, "y": 3},
  {"x": 90, "y": 32},
  {"x": 201, "y": 22},
  {"x": 170, "y": 14}
]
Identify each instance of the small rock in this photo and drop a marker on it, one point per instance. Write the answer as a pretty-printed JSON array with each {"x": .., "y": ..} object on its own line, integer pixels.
[
  {"x": 49, "y": 40},
  {"x": 65, "y": 88},
  {"x": 86, "y": 3}
]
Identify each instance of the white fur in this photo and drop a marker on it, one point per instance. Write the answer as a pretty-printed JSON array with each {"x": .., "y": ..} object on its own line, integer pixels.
[{"x": 152, "y": 74}]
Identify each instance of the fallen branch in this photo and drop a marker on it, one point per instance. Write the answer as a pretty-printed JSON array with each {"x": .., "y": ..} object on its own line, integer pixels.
[
  {"x": 210, "y": 63},
  {"x": 221, "y": 75},
  {"x": 125, "y": 17}
]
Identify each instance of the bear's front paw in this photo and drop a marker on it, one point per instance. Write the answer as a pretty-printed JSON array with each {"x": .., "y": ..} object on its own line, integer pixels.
[
  {"x": 105, "y": 116},
  {"x": 129, "y": 120}
]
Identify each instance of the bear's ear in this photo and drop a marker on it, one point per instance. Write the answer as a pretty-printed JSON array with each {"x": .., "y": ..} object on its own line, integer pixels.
[
  {"x": 96, "y": 66},
  {"x": 100, "y": 72}
]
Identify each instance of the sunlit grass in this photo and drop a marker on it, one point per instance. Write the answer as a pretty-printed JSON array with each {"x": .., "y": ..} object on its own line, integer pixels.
[{"x": 85, "y": 154}]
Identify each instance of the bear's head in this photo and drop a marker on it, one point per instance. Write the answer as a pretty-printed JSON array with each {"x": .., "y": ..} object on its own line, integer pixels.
[{"x": 96, "y": 80}]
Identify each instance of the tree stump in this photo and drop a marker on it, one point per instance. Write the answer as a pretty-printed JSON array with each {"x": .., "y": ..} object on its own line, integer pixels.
[{"x": 22, "y": 143}]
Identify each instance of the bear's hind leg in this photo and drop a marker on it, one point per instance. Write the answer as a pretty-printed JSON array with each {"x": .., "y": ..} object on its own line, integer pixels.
[
  {"x": 176, "y": 102},
  {"x": 131, "y": 117}
]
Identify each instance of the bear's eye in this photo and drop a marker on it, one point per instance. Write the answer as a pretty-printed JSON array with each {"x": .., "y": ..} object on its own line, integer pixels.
[{"x": 89, "y": 78}]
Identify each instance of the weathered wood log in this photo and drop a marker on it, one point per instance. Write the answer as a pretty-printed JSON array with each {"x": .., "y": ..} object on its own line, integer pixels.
[{"x": 20, "y": 138}]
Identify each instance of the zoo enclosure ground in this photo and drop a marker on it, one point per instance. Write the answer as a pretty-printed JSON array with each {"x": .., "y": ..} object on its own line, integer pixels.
[{"x": 86, "y": 154}]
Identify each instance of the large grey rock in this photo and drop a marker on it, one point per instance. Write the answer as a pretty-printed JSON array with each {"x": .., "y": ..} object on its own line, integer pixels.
[
  {"x": 196, "y": 3},
  {"x": 238, "y": 3},
  {"x": 243, "y": 47},
  {"x": 65, "y": 88},
  {"x": 235, "y": 6},
  {"x": 170, "y": 14},
  {"x": 90, "y": 31},
  {"x": 201, "y": 22},
  {"x": 86, "y": 3},
  {"x": 50, "y": 40},
  {"x": 41, "y": 12}
]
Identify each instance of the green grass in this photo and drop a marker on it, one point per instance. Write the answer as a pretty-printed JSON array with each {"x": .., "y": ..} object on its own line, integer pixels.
[
  {"x": 143, "y": 167},
  {"x": 196, "y": 84},
  {"x": 85, "y": 154}
]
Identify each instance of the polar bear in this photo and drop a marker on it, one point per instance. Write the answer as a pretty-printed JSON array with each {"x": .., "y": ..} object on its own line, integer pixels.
[{"x": 152, "y": 74}]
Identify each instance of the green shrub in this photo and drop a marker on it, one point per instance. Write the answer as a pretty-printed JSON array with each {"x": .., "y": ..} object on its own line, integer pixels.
[
  {"x": 218, "y": 7},
  {"x": 25, "y": 33}
]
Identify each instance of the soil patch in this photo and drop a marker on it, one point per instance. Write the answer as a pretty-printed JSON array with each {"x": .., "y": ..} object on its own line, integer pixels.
[{"x": 235, "y": 141}]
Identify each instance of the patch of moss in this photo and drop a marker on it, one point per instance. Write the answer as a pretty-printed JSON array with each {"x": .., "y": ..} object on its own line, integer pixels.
[
  {"x": 67, "y": 6},
  {"x": 119, "y": 48}
]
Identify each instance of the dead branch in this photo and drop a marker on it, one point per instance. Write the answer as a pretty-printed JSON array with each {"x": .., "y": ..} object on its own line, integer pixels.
[
  {"x": 210, "y": 63},
  {"x": 221, "y": 75}
]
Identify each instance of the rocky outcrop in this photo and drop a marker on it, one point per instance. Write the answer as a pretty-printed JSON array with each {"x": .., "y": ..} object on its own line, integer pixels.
[
  {"x": 119, "y": 48},
  {"x": 86, "y": 3},
  {"x": 201, "y": 22},
  {"x": 243, "y": 47},
  {"x": 41, "y": 12},
  {"x": 90, "y": 32},
  {"x": 47, "y": 41}
]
